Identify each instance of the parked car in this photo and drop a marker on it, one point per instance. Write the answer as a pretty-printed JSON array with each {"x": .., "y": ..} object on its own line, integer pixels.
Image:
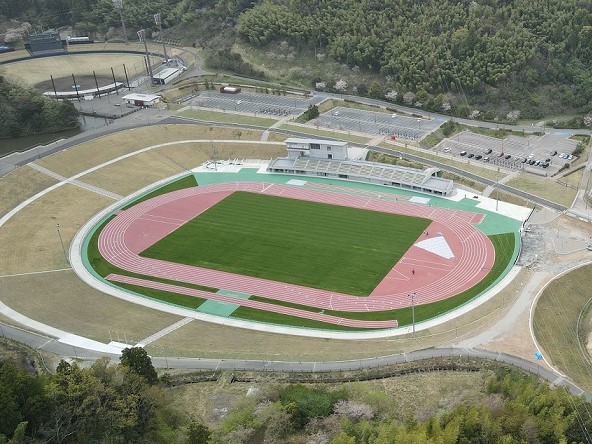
[
  {"x": 489, "y": 151},
  {"x": 470, "y": 155},
  {"x": 507, "y": 156},
  {"x": 463, "y": 153},
  {"x": 547, "y": 160},
  {"x": 478, "y": 156},
  {"x": 486, "y": 159},
  {"x": 446, "y": 150},
  {"x": 525, "y": 160},
  {"x": 545, "y": 165},
  {"x": 554, "y": 153}
]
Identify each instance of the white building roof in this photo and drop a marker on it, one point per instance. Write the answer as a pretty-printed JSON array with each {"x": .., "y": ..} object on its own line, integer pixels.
[
  {"x": 142, "y": 97},
  {"x": 165, "y": 73},
  {"x": 319, "y": 141}
]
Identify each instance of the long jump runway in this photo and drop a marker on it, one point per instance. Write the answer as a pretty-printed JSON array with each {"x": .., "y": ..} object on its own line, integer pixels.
[{"x": 429, "y": 276}]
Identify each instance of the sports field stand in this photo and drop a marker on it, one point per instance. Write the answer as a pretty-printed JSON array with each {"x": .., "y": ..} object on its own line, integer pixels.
[{"x": 327, "y": 158}]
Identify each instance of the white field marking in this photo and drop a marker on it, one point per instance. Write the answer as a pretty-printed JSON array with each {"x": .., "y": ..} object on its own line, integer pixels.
[
  {"x": 34, "y": 272},
  {"x": 77, "y": 183},
  {"x": 165, "y": 331}
]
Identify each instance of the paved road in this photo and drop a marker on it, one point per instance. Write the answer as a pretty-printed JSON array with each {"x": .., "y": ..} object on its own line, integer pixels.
[{"x": 41, "y": 342}]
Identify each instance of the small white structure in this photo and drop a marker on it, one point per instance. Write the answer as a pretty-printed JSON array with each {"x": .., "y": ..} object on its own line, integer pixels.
[
  {"x": 141, "y": 99},
  {"x": 316, "y": 149},
  {"x": 167, "y": 75}
]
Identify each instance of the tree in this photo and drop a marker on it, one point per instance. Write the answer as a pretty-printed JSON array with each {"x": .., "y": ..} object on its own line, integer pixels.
[
  {"x": 198, "y": 433},
  {"x": 138, "y": 360}
]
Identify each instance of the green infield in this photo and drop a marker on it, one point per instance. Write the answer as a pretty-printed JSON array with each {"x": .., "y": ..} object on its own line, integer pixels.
[{"x": 330, "y": 247}]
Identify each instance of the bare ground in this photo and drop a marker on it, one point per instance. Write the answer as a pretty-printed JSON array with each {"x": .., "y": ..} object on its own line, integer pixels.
[
  {"x": 19, "y": 185},
  {"x": 63, "y": 301},
  {"x": 30, "y": 240},
  {"x": 134, "y": 173},
  {"x": 92, "y": 153}
]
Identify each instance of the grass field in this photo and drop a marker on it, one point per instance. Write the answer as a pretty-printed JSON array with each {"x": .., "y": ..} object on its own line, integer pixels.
[
  {"x": 322, "y": 246},
  {"x": 543, "y": 188},
  {"x": 225, "y": 117},
  {"x": 504, "y": 249},
  {"x": 555, "y": 325}
]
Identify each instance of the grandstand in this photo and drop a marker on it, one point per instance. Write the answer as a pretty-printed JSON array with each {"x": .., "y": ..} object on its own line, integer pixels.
[
  {"x": 46, "y": 43},
  {"x": 426, "y": 181}
]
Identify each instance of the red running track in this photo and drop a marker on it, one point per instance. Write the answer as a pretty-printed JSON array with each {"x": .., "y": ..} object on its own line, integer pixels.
[{"x": 428, "y": 275}]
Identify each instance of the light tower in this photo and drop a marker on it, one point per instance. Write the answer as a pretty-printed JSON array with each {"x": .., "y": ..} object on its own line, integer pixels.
[
  {"x": 142, "y": 37},
  {"x": 158, "y": 20},
  {"x": 119, "y": 6}
]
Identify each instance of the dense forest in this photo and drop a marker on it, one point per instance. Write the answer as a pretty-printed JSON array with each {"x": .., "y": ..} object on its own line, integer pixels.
[
  {"x": 492, "y": 59},
  {"x": 129, "y": 403},
  {"x": 24, "y": 111}
]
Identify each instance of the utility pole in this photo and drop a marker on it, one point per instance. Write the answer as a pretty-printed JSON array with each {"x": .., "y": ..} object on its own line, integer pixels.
[
  {"x": 158, "y": 20},
  {"x": 119, "y": 6},
  {"x": 142, "y": 37},
  {"x": 62, "y": 243}
]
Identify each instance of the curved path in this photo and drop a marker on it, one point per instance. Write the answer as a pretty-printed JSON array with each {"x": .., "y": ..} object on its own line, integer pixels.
[{"x": 137, "y": 228}]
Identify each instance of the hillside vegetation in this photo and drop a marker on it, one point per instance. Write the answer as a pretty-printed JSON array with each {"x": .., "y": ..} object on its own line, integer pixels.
[
  {"x": 25, "y": 111},
  {"x": 493, "y": 59},
  {"x": 470, "y": 51}
]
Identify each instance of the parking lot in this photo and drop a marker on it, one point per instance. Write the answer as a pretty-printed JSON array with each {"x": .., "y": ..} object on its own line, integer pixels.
[
  {"x": 537, "y": 154},
  {"x": 253, "y": 103},
  {"x": 369, "y": 122}
]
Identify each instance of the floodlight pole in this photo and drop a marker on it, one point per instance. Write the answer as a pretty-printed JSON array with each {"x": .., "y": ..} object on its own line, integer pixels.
[
  {"x": 142, "y": 37},
  {"x": 412, "y": 295},
  {"x": 119, "y": 6},
  {"x": 62, "y": 243},
  {"x": 158, "y": 20}
]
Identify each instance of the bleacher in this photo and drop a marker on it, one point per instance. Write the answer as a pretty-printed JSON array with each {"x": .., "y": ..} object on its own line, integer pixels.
[{"x": 383, "y": 174}]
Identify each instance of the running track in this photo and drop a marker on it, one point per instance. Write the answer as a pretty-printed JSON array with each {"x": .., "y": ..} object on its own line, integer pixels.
[{"x": 433, "y": 278}]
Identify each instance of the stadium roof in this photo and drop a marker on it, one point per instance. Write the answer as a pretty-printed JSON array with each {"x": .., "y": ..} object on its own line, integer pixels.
[{"x": 420, "y": 180}]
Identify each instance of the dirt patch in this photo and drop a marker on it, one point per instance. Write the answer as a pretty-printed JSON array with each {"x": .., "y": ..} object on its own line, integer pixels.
[
  {"x": 92, "y": 153},
  {"x": 61, "y": 300},
  {"x": 34, "y": 71},
  {"x": 83, "y": 82},
  {"x": 19, "y": 185},
  {"x": 30, "y": 240}
]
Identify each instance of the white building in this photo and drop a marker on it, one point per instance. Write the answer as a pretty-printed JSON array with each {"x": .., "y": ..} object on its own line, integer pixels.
[
  {"x": 324, "y": 158},
  {"x": 167, "y": 75},
  {"x": 141, "y": 99},
  {"x": 316, "y": 149}
]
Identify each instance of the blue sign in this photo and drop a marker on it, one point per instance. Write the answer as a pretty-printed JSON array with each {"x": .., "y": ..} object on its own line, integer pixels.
[{"x": 538, "y": 356}]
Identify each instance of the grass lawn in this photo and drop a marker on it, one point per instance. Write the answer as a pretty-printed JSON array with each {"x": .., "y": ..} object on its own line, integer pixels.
[
  {"x": 504, "y": 249},
  {"x": 545, "y": 188},
  {"x": 288, "y": 240},
  {"x": 555, "y": 324},
  {"x": 226, "y": 117}
]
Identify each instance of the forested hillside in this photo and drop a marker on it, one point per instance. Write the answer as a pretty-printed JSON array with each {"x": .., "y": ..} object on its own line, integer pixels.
[
  {"x": 24, "y": 112},
  {"x": 468, "y": 48},
  {"x": 128, "y": 404},
  {"x": 492, "y": 59}
]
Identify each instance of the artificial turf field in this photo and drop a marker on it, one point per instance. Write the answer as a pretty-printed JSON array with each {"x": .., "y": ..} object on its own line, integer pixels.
[{"x": 330, "y": 247}]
